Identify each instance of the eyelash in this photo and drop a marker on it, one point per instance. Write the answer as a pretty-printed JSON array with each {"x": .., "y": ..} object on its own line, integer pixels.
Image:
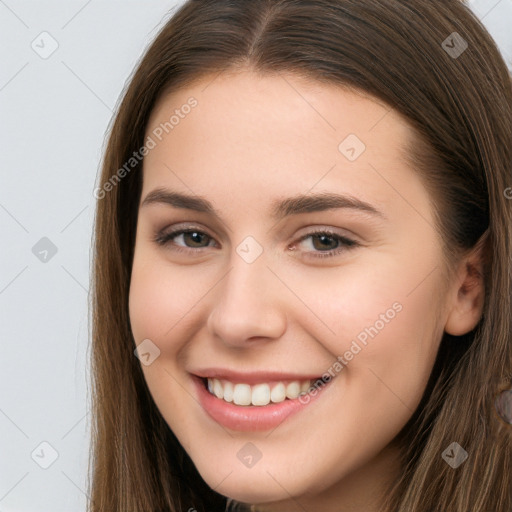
[{"x": 163, "y": 239}]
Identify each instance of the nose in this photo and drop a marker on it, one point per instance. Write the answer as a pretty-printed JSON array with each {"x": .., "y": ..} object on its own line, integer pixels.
[{"x": 248, "y": 304}]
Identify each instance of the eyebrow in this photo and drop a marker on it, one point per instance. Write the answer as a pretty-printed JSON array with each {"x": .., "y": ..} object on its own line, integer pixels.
[{"x": 281, "y": 208}]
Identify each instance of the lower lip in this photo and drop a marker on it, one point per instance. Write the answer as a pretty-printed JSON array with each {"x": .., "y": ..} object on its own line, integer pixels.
[{"x": 250, "y": 418}]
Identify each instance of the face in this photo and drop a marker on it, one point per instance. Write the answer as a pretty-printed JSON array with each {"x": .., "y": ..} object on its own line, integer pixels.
[{"x": 310, "y": 264}]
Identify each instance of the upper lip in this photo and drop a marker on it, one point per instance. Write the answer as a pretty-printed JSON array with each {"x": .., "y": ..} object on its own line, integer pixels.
[{"x": 254, "y": 377}]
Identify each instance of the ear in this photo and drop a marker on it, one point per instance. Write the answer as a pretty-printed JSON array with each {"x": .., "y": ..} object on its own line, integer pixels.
[{"x": 466, "y": 296}]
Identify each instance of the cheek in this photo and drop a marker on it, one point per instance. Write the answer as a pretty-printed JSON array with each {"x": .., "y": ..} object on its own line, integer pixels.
[
  {"x": 161, "y": 300},
  {"x": 146, "y": 304},
  {"x": 383, "y": 324},
  {"x": 158, "y": 306}
]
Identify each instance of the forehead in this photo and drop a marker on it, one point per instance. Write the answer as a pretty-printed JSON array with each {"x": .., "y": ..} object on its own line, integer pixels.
[
  {"x": 250, "y": 133},
  {"x": 274, "y": 102}
]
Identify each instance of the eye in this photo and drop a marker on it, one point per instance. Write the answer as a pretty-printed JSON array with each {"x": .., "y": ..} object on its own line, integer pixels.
[
  {"x": 192, "y": 235},
  {"x": 326, "y": 243}
]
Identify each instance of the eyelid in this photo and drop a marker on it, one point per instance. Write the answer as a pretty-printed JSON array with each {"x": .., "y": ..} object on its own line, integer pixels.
[
  {"x": 176, "y": 230},
  {"x": 184, "y": 226},
  {"x": 308, "y": 231},
  {"x": 347, "y": 243},
  {"x": 341, "y": 232},
  {"x": 164, "y": 239}
]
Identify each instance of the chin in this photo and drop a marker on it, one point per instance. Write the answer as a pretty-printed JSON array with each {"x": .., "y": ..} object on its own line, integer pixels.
[{"x": 249, "y": 486}]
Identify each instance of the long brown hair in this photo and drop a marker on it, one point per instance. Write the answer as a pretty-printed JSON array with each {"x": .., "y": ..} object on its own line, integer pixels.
[{"x": 458, "y": 99}]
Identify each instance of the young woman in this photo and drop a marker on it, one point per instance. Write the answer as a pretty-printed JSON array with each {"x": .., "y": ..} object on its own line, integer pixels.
[{"x": 302, "y": 279}]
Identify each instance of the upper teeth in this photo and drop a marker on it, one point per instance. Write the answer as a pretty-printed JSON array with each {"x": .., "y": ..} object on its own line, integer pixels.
[{"x": 259, "y": 394}]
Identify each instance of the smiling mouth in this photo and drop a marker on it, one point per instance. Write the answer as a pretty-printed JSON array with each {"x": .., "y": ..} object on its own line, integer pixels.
[
  {"x": 257, "y": 394},
  {"x": 270, "y": 398}
]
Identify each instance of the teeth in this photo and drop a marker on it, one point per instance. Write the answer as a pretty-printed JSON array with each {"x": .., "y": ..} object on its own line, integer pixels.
[
  {"x": 278, "y": 393},
  {"x": 259, "y": 394},
  {"x": 293, "y": 390},
  {"x": 229, "y": 391},
  {"x": 241, "y": 394},
  {"x": 217, "y": 389}
]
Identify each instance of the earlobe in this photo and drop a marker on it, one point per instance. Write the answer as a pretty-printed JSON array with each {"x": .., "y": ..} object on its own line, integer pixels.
[{"x": 467, "y": 294}]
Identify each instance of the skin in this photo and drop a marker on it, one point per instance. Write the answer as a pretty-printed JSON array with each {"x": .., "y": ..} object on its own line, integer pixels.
[{"x": 251, "y": 140}]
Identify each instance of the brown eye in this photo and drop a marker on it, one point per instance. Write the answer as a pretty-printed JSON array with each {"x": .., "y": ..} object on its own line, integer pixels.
[
  {"x": 326, "y": 243},
  {"x": 190, "y": 239},
  {"x": 194, "y": 237}
]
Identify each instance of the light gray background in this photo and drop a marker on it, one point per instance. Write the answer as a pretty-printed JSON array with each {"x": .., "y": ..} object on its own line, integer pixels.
[{"x": 54, "y": 112}]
